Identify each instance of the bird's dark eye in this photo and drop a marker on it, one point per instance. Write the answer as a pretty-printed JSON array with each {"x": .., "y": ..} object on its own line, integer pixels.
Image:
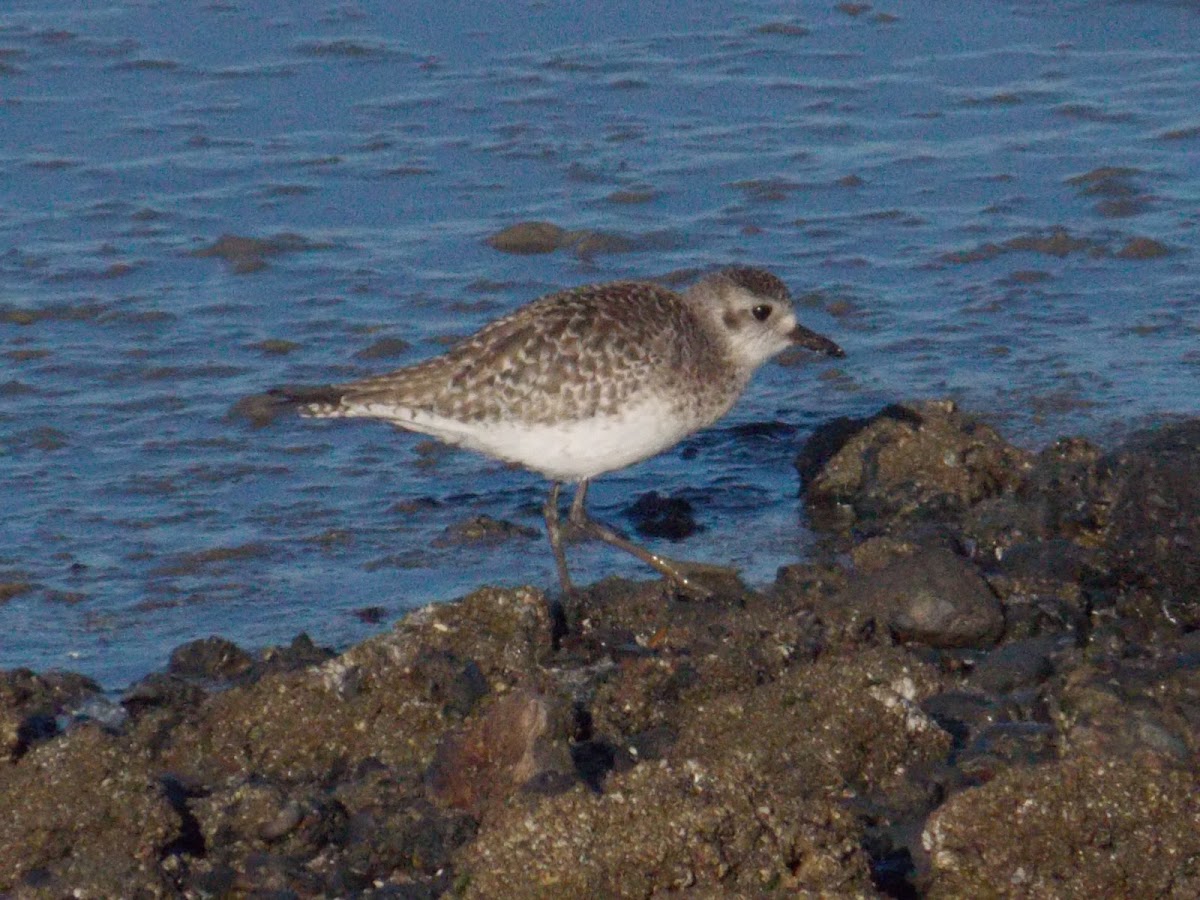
[{"x": 762, "y": 312}]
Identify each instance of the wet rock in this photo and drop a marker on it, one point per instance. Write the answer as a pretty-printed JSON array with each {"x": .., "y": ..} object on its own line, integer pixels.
[
  {"x": 260, "y": 410},
  {"x": 518, "y": 741},
  {"x": 369, "y": 615},
  {"x": 654, "y": 515},
  {"x": 1080, "y": 827},
  {"x": 483, "y": 530},
  {"x": 1055, "y": 242},
  {"x": 526, "y": 238},
  {"x": 1144, "y": 248},
  {"x": 384, "y": 348},
  {"x": 787, "y": 29},
  {"x": 211, "y": 658},
  {"x": 247, "y": 254},
  {"x": 159, "y": 690},
  {"x": 276, "y": 346},
  {"x": 31, "y": 706},
  {"x": 1153, "y": 531},
  {"x": 11, "y": 589},
  {"x": 921, "y": 462},
  {"x": 932, "y": 597},
  {"x": 215, "y": 662},
  {"x": 1003, "y": 745},
  {"x": 960, "y": 713},
  {"x": 301, "y": 653},
  {"x": 1015, "y": 665},
  {"x": 587, "y": 244}
]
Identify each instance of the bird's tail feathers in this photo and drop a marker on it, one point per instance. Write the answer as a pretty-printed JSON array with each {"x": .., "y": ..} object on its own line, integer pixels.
[{"x": 316, "y": 401}]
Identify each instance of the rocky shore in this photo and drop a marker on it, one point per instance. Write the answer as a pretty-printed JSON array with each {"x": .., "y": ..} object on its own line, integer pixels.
[{"x": 987, "y": 683}]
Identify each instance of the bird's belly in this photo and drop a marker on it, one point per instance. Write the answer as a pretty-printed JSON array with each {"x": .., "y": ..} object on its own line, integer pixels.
[{"x": 572, "y": 450}]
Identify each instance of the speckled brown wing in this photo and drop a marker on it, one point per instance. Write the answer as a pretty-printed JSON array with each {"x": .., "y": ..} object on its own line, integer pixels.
[{"x": 566, "y": 356}]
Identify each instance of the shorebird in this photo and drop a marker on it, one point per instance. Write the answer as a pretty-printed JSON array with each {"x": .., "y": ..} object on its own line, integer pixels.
[{"x": 586, "y": 381}]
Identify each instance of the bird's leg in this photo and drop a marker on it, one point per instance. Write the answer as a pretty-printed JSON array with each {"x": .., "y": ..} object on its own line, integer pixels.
[
  {"x": 550, "y": 511},
  {"x": 673, "y": 569}
]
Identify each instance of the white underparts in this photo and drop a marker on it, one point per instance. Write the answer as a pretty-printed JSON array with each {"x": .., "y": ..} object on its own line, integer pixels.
[{"x": 568, "y": 451}]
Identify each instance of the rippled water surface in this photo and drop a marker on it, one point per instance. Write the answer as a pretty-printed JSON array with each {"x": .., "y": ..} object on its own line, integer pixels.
[{"x": 988, "y": 201}]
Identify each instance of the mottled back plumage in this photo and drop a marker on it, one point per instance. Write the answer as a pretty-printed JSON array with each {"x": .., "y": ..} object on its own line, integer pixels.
[{"x": 571, "y": 355}]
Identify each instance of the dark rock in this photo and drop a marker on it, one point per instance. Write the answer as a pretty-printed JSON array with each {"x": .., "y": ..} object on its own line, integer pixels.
[
  {"x": 31, "y": 705},
  {"x": 369, "y": 615},
  {"x": 913, "y": 463},
  {"x": 248, "y": 254},
  {"x": 159, "y": 690},
  {"x": 301, "y": 653},
  {"x": 992, "y": 527},
  {"x": 446, "y": 679},
  {"x": 211, "y": 658},
  {"x": 1016, "y": 664},
  {"x": 394, "y": 828},
  {"x": 962, "y": 714},
  {"x": 483, "y": 530},
  {"x": 1043, "y": 561},
  {"x": 593, "y": 761},
  {"x": 1070, "y": 481},
  {"x": 653, "y": 743},
  {"x": 526, "y": 238},
  {"x": 654, "y": 515},
  {"x": 1154, "y": 526},
  {"x": 933, "y": 597},
  {"x": 1003, "y": 745}
]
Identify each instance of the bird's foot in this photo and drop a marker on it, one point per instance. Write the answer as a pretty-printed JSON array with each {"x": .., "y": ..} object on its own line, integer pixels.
[{"x": 697, "y": 579}]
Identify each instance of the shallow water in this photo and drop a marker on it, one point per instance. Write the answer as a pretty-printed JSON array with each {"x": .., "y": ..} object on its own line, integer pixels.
[{"x": 993, "y": 202}]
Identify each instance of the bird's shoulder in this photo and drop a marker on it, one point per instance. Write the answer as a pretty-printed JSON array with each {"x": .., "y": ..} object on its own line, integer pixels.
[{"x": 571, "y": 321}]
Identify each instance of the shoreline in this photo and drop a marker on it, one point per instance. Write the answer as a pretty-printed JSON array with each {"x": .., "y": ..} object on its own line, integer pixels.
[{"x": 987, "y": 680}]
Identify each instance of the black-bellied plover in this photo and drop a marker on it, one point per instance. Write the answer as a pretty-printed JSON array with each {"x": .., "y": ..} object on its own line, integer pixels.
[{"x": 586, "y": 381}]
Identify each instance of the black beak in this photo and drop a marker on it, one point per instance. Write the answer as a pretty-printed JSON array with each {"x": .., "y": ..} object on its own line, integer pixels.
[{"x": 810, "y": 340}]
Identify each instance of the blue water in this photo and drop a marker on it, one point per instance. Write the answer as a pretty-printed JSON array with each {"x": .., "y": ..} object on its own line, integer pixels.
[{"x": 862, "y": 157}]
